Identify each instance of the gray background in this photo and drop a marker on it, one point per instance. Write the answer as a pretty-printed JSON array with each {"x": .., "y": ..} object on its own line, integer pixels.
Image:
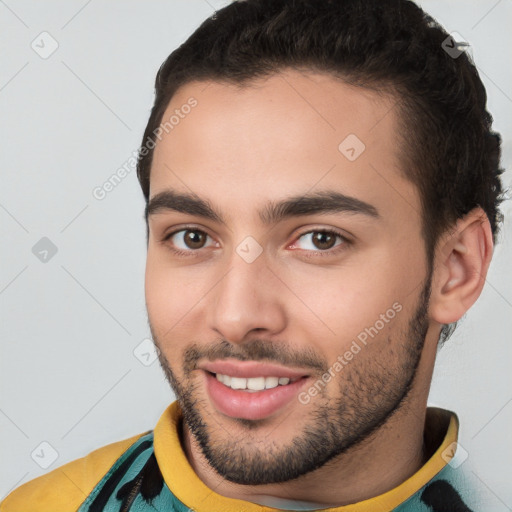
[{"x": 71, "y": 323}]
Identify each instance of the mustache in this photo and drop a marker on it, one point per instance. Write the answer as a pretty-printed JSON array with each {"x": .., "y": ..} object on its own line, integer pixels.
[{"x": 255, "y": 350}]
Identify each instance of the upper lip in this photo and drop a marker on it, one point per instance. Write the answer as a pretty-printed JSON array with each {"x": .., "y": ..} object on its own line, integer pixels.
[{"x": 248, "y": 369}]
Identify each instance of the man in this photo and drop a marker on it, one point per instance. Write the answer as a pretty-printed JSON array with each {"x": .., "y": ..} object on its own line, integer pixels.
[{"x": 322, "y": 188}]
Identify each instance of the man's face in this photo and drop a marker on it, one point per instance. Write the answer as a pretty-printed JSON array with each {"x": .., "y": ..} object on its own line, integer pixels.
[{"x": 332, "y": 303}]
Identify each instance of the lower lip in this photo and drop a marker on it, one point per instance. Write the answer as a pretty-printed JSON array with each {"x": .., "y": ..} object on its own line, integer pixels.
[{"x": 247, "y": 405}]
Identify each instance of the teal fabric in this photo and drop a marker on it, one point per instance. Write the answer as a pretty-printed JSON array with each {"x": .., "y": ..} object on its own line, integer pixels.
[{"x": 126, "y": 470}]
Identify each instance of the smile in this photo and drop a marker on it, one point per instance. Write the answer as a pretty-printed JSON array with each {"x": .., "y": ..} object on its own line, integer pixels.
[{"x": 253, "y": 383}]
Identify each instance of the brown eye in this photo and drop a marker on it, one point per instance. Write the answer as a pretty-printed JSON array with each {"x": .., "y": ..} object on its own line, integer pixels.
[
  {"x": 321, "y": 242},
  {"x": 194, "y": 239},
  {"x": 324, "y": 240},
  {"x": 186, "y": 241},
  {"x": 320, "y": 239}
]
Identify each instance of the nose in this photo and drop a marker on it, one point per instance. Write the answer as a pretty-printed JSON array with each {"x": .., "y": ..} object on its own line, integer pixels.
[{"x": 247, "y": 298}]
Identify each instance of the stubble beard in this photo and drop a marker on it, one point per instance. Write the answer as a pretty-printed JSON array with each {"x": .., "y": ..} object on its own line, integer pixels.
[{"x": 368, "y": 395}]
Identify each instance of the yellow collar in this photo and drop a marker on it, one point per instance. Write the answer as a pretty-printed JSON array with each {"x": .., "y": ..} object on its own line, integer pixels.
[{"x": 190, "y": 490}]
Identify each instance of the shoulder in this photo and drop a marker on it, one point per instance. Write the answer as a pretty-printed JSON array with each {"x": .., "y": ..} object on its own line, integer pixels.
[{"x": 67, "y": 486}]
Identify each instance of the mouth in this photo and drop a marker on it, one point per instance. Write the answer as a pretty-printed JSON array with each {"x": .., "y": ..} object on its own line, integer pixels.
[
  {"x": 253, "y": 384},
  {"x": 251, "y": 390}
]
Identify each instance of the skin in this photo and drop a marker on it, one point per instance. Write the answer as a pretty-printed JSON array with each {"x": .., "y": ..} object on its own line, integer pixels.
[{"x": 239, "y": 148}]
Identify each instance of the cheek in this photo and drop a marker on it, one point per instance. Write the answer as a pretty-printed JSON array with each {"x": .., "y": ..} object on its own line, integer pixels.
[
  {"x": 171, "y": 294},
  {"x": 367, "y": 298}
]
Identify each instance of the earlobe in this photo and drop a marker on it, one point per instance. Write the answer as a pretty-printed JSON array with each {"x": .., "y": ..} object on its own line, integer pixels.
[{"x": 461, "y": 263}]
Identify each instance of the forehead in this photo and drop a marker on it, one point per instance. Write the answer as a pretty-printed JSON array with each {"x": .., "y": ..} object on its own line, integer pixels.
[{"x": 285, "y": 134}]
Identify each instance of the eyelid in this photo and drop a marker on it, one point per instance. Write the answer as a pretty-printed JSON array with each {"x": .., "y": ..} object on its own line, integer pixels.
[
  {"x": 322, "y": 229},
  {"x": 179, "y": 229},
  {"x": 346, "y": 241}
]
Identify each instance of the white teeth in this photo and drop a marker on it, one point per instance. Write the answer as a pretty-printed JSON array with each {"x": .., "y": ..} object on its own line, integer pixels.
[
  {"x": 225, "y": 379},
  {"x": 238, "y": 383},
  {"x": 256, "y": 383},
  {"x": 252, "y": 383},
  {"x": 271, "y": 382}
]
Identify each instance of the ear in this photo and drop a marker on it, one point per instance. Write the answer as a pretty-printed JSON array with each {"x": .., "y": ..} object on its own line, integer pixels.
[{"x": 461, "y": 261}]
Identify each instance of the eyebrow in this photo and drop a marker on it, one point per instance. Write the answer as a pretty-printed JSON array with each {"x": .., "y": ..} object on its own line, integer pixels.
[{"x": 320, "y": 202}]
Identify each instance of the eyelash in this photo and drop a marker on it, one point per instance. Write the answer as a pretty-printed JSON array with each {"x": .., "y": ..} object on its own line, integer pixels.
[{"x": 307, "y": 253}]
